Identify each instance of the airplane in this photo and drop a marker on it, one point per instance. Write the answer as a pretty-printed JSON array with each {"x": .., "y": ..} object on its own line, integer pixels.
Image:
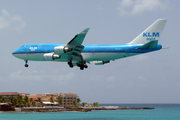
[{"x": 76, "y": 54}]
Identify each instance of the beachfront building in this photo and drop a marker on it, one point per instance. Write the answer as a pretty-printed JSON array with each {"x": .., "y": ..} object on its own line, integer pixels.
[
  {"x": 9, "y": 94},
  {"x": 24, "y": 94},
  {"x": 67, "y": 98}
]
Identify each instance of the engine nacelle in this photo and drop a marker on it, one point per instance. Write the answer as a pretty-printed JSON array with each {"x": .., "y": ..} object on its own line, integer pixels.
[
  {"x": 99, "y": 62},
  {"x": 61, "y": 50},
  {"x": 50, "y": 56}
]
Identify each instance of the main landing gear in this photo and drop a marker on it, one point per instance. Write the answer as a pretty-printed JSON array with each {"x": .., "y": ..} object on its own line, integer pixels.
[
  {"x": 80, "y": 65},
  {"x": 26, "y": 65}
]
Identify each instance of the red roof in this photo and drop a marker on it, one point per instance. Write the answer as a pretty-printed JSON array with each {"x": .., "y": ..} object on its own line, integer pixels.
[
  {"x": 71, "y": 94},
  {"x": 8, "y": 93},
  {"x": 39, "y": 95},
  {"x": 32, "y": 96},
  {"x": 45, "y": 98},
  {"x": 24, "y": 93}
]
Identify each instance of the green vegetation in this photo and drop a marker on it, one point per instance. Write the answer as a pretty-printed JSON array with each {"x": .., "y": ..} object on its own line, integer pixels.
[
  {"x": 39, "y": 100},
  {"x": 20, "y": 101},
  {"x": 51, "y": 100},
  {"x": 78, "y": 100},
  {"x": 28, "y": 105},
  {"x": 83, "y": 104},
  {"x": 60, "y": 100},
  {"x": 26, "y": 99},
  {"x": 30, "y": 100},
  {"x": 74, "y": 103},
  {"x": 96, "y": 104}
]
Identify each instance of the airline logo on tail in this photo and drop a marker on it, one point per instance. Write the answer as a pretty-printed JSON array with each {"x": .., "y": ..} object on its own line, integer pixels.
[{"x": 151, "y": 36}]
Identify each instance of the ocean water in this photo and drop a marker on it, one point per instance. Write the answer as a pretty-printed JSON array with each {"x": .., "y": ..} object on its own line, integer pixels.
[{"x": 161, "y": 112}]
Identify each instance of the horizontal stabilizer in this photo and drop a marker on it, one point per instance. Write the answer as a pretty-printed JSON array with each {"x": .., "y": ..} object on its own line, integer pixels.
[{"x": 149, "y": 45}]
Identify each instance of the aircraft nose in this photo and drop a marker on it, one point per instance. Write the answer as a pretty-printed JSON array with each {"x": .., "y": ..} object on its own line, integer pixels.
[{"x": 15, "y": 53}]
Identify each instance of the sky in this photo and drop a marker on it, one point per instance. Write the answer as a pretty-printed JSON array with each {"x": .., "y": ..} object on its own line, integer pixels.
[{"x": 149, "y": 78}]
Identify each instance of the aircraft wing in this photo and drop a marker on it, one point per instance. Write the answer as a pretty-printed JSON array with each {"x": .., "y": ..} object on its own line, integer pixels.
[
  {"x": 76, "y": 43},
  {"x": 78, "y": 39},
  {"x": 74, "y": 47}
]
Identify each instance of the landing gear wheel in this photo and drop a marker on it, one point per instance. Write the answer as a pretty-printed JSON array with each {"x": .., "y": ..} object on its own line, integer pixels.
[
  {"x": 85, "y": 66},
  {"x": 71, "y": 66},
  {"x": 81, "y": 68},
  {"x": 26, "y": 65}
]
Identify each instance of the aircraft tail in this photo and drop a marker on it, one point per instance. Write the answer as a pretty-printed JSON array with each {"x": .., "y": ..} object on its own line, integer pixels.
[{"x": 152, "y": 33}]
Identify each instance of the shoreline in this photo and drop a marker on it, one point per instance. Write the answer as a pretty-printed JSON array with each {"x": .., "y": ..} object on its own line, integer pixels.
[{"x": 80, "y": 109}]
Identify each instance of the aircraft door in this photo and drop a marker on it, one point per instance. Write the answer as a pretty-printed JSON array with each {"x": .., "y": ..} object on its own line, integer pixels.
[{"x": 127, "y": 51}]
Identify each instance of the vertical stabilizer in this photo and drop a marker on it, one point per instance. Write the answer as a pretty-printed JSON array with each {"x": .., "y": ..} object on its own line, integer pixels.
[{"x": 153, "y": 32}]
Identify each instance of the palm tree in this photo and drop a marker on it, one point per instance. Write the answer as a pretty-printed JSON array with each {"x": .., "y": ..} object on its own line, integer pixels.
[
  {"x": 83, "y": 104},
  {"x": 14, "y": 101},
  {"x": 28, "y": 105},
  {"x": 26, "y": 99},
  {"x": 51, "y": 100},
  {"x": 20, "y": 97},
  {"x": 33, "y": 103},
  {"x": 11, "y": 99},
  {"x": 74, "y": 103},
  {"x": 0, "y": 99},
  {"x": 4, "y": 100},
  {"x": 31, "y": 99},
  {"x": 60, "y": 100},
  {"x": 39, "y": 99},
  {"x": 96, "y": 104},
  {"x": 78, "y": 100},
  {"x": 20, "y": 100}
]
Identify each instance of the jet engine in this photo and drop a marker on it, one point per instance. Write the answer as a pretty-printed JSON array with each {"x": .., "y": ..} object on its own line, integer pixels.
[
  {"x": 61, "y": 50},
  {"x": 50, "y": 56}
]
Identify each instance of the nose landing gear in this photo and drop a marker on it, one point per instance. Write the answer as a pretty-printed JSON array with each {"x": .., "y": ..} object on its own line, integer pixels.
[{"x": 26, "y": 65}]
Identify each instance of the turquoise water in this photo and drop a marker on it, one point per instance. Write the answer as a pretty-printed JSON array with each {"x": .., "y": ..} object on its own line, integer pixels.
[{"x": 161, "y": 112}]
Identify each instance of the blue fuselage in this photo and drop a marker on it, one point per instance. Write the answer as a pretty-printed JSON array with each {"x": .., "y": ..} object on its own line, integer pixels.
[{"x": 35, "y": 52}]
